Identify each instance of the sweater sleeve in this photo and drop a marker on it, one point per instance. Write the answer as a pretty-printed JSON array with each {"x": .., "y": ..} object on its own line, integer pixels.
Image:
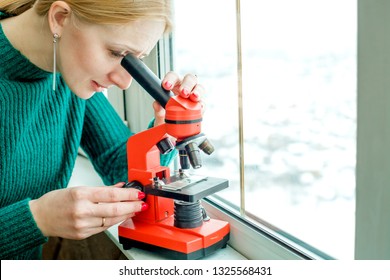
[
  {"x": 104, "y": 140},
  {"x": 19, "y": 233}
]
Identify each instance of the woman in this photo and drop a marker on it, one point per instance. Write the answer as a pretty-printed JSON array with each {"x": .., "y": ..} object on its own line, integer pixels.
[{"x": 57, "y": 57}]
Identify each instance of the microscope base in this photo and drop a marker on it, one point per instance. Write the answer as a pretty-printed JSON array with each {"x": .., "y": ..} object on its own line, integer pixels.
[{"x": 172, "y": 242}]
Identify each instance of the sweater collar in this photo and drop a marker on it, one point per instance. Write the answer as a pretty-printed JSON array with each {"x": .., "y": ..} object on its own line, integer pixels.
[{"x": 15, "y": 66}]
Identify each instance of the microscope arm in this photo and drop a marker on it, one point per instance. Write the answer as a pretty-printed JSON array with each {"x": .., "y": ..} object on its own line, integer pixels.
[{"x": 142, "y": 153}]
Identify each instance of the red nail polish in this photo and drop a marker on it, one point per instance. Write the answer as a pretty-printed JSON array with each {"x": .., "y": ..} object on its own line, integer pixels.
[
  {"x": 141, "y": 195},
  {"x": 168, "y": 84},
  {"x": 144, "y": 206},
  {"x": 185, "y": 92}
]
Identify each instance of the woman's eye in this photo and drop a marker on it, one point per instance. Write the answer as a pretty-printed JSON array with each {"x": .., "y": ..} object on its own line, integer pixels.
[{"x": 117, "y": 54}]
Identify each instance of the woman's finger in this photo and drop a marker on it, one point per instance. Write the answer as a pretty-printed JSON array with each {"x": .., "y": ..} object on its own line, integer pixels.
[
  {"x": 106, "y": 222},
  {"x": 197, "y": 92},
  {"x": 159, "y": 113},
  {"x": 188, "y": 84},
  {"x": 105, "y": 194},
  {"x": 171, "y": 81}
]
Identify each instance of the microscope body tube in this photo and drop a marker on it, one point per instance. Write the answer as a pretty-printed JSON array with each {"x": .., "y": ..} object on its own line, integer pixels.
[{"x": 146, "y": 78}]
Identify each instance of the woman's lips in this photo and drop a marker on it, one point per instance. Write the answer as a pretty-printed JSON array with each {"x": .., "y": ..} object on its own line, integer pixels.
[{"x": 97, "y": 87}]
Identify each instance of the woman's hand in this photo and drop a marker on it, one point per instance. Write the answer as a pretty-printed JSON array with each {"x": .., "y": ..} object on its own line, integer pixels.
[
  {"x": 79, "y": 212},
  {"x": 187, "y": 87}
]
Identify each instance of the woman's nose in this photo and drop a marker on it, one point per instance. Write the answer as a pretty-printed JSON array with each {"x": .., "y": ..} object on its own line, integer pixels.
[{"x": 120, "y": 77}]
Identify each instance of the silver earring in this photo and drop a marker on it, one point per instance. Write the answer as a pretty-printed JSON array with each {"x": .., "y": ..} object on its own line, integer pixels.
[{"x": 55, "y": 40}]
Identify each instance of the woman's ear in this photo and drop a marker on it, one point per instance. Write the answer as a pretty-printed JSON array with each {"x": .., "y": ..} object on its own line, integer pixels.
[{"x": 58, "y": 16}]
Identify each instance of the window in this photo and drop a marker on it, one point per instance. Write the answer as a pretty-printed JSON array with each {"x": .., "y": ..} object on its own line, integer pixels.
[
  {"x": 289, "y": 153},
  {"x": 280, "y": 110}
]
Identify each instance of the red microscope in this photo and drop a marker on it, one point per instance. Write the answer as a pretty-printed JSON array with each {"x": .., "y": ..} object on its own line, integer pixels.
[{"x": 176, "y": 224}]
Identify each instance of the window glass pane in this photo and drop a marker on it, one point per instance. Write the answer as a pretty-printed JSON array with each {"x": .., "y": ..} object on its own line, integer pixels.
[
  {"x": 205, "y": 42},
  {"x": 299, "y": 102}
]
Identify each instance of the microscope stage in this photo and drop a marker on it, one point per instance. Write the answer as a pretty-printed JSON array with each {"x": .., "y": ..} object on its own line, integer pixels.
[{"x": 189, "y": 188}]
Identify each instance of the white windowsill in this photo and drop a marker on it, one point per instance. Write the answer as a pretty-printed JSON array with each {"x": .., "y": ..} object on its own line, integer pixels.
[{"x": 84, "y": 175}]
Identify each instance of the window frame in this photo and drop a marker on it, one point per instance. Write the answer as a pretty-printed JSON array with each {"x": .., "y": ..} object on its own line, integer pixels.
[{"x": 373, "y": 131}]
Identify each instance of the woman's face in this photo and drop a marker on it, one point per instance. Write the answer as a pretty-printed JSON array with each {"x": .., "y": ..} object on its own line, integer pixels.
[{"x": 89, "y": 56}]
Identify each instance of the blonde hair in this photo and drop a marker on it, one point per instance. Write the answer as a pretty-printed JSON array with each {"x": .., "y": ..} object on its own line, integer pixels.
[{"x": 99, "y": 11}]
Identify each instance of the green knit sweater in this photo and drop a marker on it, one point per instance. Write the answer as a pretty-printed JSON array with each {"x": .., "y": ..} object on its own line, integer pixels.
[{"x": 41, "y": 131}]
